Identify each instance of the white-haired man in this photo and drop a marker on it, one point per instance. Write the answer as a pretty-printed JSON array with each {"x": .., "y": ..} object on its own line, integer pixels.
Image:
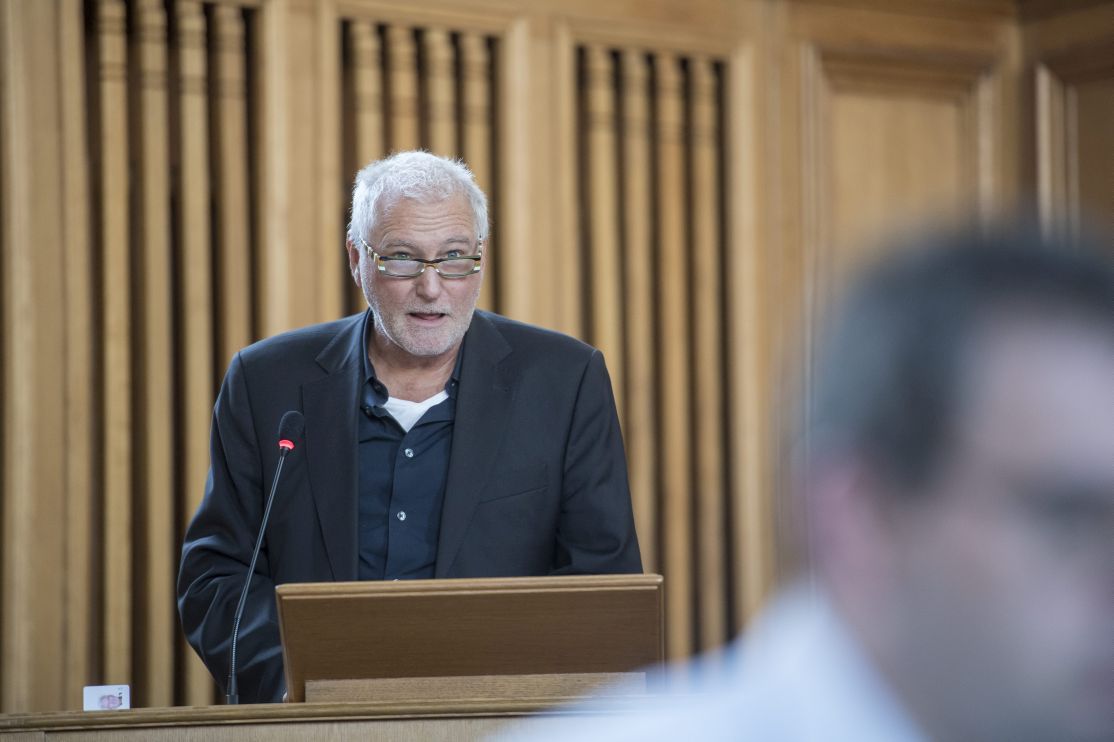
[{"x": 440, "y": 441}]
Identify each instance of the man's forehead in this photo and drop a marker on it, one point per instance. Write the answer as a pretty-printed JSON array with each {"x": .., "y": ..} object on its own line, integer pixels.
[{"x": 1042, "y": 390}]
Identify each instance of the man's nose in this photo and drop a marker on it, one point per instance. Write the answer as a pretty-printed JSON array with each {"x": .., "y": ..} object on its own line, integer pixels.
[{"x": 428, "y": 284}]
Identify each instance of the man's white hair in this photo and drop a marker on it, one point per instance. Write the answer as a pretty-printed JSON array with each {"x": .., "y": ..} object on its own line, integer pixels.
[{"x": 417, "y": 175}]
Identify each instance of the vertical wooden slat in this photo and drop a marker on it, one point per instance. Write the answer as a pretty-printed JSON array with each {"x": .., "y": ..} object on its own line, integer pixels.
[
  {"x": 403, "y": 67},
  {"x": 80, "y": 474},
  {"x": 195, "y": 274},
  {"x": 440, "y": 91},
  {"x": 675, "y": 450},
  {"x": 367, "y": 75},
  {"x": 708, "y": 333},
  {"x": 367, "y": 83},
  {"x": 476, "y": 139},
  {"x": 116, "y": 336},
  {"x": 605, "y": 279},
  {"x": 33, "y": 552},
  {"x": 155, "y": 561},
  {"x": 640, "y": 428},
  {"x": 751, "y": 350},
  {"x": 230, "y": 181},
  {"x": 328, "y": 242}
]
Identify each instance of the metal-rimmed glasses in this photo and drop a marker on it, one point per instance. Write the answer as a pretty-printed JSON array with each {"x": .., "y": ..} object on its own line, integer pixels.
[{"x": 456, "y": 266}]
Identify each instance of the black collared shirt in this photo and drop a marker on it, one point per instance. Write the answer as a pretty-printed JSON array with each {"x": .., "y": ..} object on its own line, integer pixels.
[{"x": 402, "y": 479}]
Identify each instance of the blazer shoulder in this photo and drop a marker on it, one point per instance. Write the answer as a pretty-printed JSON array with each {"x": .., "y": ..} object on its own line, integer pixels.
[
  {"x": 303, "y": 343},
  {"x": 539, "y": 341}
]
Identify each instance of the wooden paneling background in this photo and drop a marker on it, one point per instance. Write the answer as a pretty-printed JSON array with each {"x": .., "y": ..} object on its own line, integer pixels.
[{"x": 681, "y": 183}]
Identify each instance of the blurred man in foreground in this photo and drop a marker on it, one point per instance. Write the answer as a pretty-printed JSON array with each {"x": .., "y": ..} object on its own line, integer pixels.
[{"x": 959, "y": 500}]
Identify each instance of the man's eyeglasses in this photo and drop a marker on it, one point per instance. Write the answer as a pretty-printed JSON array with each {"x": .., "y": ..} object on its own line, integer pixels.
[{"x": 456, "y": 266}]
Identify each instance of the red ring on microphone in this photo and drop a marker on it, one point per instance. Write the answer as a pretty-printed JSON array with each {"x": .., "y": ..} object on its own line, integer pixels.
[{"x": 288, "y": 445}]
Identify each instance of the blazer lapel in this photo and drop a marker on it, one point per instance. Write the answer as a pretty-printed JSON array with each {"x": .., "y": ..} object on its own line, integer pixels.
[
  {"x": 330, "y": 405},
  {"x": 482, "y": 407}
]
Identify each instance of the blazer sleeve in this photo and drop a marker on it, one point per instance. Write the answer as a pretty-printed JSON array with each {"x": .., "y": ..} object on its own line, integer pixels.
[
  {"x": 217, "y": 550},
  {"x": 595, "y": 532}
]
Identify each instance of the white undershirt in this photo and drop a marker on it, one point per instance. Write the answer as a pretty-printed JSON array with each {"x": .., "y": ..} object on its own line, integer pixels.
[{"x": 407, "y": 413}]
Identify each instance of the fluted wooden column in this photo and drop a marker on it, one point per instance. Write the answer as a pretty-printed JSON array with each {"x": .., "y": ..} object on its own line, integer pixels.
[
  {"x": 708, "y": 334},
  {"x": 403, "y": 69},
  {"x": 81, "y": 570},
  {"x": 195, "y": 268},
  {"x": 676, "y": 443},
  {"x": 440, "y": 92},
  {"x": 156, "y": 565},
  {"x": 640, "y": 428},
  {"x": 603, "y": 214},
  {"x": 116, "y": 329},
  {"x": 476, "y": 133},
  {"x": 230, "y": 180},
  {"x": 34, "y": 251}
]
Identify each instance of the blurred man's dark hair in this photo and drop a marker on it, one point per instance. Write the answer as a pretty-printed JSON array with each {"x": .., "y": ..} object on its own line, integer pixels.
[{"x": 890, "y": 376}]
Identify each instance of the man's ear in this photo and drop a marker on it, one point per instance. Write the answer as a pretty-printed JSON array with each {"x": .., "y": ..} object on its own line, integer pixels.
[
  {"x": 353, "y": 260},
  {"x": 849, "y": 536}
]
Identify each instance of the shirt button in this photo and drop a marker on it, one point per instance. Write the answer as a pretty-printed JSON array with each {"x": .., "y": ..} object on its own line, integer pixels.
[
  {"x": 402, "y": 515},
  {"x": 409, "y": 453}
]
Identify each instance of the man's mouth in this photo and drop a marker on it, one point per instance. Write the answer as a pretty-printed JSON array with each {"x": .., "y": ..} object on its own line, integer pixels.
[{"x": 427, "y": 316}]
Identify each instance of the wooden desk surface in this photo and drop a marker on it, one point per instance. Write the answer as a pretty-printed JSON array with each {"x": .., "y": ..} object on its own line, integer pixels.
[{"x": 312, "y": 722}]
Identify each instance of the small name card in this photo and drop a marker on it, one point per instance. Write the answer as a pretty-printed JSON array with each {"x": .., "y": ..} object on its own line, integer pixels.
[{"x": 107, "y": 697}]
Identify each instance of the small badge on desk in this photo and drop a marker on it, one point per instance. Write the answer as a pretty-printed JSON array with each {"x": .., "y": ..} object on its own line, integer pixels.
[{"x": 107, "y": 697}]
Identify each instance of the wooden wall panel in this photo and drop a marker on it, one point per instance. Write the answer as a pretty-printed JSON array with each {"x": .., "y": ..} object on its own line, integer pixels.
[
  {"x": 673, "y": 327},
  {"x": 680, "y": 183},
  {"x": 440, "y": 113},
  {"x": 32, "y": 650},
  {"x": 477, "y": 126},
  {"x": 116, "y": 335},
  {"x": 194, "y": 263},
  {"x": 156, "y": 560},
  {"x": 1071, "y": 62},
  {"x": 640, "y": 421},
  {"x": 706, "y": 243},
  {"x": 229, "y": 115},
  {"x": 402, "y": 64},
  {"x": 82, "y": 572},
  {"x": 600, "y": 251}
]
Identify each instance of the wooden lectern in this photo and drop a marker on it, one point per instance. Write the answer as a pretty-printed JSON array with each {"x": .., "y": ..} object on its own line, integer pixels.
[{"x": 504, "y": 639}]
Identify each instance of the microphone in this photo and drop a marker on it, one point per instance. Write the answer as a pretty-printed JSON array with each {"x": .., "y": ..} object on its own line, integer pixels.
[{"x": 290, "y": 431}]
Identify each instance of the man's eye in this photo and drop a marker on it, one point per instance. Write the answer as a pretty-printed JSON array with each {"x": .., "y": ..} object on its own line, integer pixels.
[
  {"x": 400, "y": 255},
  {"x": 453, "y": 254}
]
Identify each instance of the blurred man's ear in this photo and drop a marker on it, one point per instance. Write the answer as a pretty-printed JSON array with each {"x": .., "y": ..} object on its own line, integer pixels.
[{"x": 849, "y": 538}]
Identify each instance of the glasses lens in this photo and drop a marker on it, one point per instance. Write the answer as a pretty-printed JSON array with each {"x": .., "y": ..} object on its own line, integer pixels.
[
  {"x": 402, "y": 268},
  {"x": 462, "y": 267}
]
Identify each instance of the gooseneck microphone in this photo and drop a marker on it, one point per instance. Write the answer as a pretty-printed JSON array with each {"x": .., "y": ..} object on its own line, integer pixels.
[{"x": 290, "y": 432}]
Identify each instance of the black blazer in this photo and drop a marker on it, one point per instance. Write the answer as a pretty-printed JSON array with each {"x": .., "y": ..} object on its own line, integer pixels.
[{"x": 537, "y": 480}]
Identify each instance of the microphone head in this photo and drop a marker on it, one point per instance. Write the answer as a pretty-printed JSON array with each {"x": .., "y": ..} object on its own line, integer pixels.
[{"x": 290, "y": 430}]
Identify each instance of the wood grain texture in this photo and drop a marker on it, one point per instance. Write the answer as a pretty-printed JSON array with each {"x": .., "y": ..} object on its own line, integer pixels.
[
  {"x": 640, "y": 420},
  {"x": 230, "y": 159},
  {"x": 33, "y": 549},
  {"x": 674, "y": 323},
  {"x": 477, "y": 126},
  {"x": 402, "y": 65},
  {"x": 708, "y": 333},
  {"x": 458, "y": 627},
  {"x": 81, "y": 484},
  {"x": 440, "y": 110},
  {"x": 156, "y": 565},
  {"x": 554, "y": 686},
  {"x": 117, "y": 340},
  {"x": 603, "y": 259},
  {"x": 195, "y": 285}
]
